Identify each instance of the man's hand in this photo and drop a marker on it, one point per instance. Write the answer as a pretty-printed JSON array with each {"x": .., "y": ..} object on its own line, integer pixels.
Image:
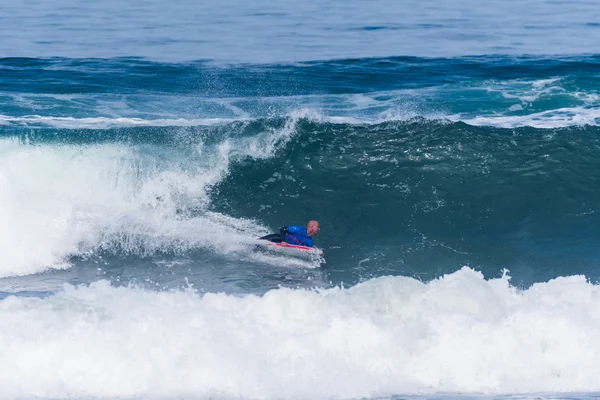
[{"x": 284, "y": 244}]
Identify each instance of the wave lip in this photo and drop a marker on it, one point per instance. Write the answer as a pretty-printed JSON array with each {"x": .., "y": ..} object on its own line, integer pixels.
[{"x": 386, "y": 336}]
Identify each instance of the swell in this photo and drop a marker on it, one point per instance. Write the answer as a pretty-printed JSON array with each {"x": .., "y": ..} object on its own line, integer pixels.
[{"x": 204, "y": 78}]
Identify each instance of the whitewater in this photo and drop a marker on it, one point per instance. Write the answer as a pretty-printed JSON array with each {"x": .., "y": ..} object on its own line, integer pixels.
[{"x": 458, "y": 333}]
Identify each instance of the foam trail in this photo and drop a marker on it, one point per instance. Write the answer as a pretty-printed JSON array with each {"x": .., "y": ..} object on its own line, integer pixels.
[
  {"x": 390, "y": 335},
  {"x": 106, "y": 123},
  {"x": 559, "y": 118},
  {"x": 547, "y": 119}
]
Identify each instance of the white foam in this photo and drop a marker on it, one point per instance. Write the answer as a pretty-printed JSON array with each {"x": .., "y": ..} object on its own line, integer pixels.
[
  {"x": 365, "y": 108},
  {"x": 105, "y": 122},
  {"x": 61, "y": 200},
  {"x": 524, "y": 90},
  {"x": 120, "y": 122},
  {"x": 390, "y": 335},
  {"x": 558, "y": 118}
]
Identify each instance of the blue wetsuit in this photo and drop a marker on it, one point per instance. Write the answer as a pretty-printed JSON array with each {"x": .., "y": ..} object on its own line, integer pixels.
[{"x": 296, "y": 235}]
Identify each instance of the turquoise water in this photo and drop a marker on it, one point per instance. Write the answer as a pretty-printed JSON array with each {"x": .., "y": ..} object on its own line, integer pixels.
[{"x": 449, "y": 150}]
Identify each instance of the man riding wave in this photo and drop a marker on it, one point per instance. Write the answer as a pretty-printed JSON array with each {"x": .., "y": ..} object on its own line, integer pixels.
[{"x": 295, "y": 235}]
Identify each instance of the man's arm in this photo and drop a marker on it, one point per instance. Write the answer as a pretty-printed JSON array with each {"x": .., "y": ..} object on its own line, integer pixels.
[{"x": 282, "y": 233}]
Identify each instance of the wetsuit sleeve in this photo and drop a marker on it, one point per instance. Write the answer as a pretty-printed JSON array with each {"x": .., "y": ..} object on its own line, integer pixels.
[
  {"x": 292, "y": 229},
  {"x": 282, "y": 233}
]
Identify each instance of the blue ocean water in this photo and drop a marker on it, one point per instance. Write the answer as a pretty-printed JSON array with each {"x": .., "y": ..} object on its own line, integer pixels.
[{"x": 450, "y": 151}]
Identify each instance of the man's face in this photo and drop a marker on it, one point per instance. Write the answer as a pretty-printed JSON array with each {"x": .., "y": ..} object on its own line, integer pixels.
[{"x": 313, "y": 229}]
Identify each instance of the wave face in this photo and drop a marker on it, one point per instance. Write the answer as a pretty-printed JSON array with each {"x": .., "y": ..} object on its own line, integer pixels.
[
  {"x": 393, "y": 197},
  {"x": 131, "y": 192}
]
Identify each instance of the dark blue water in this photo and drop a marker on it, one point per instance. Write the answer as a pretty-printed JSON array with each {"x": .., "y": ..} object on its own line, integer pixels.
[{"x": 450, "y": 152}]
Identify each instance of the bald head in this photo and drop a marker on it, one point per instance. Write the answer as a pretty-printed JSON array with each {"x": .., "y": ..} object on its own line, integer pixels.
[{"x": 312, "y": 228}]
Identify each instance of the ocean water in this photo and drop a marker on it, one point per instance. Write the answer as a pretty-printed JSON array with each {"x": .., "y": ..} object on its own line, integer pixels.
[{"x": 450, "y": 151}]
